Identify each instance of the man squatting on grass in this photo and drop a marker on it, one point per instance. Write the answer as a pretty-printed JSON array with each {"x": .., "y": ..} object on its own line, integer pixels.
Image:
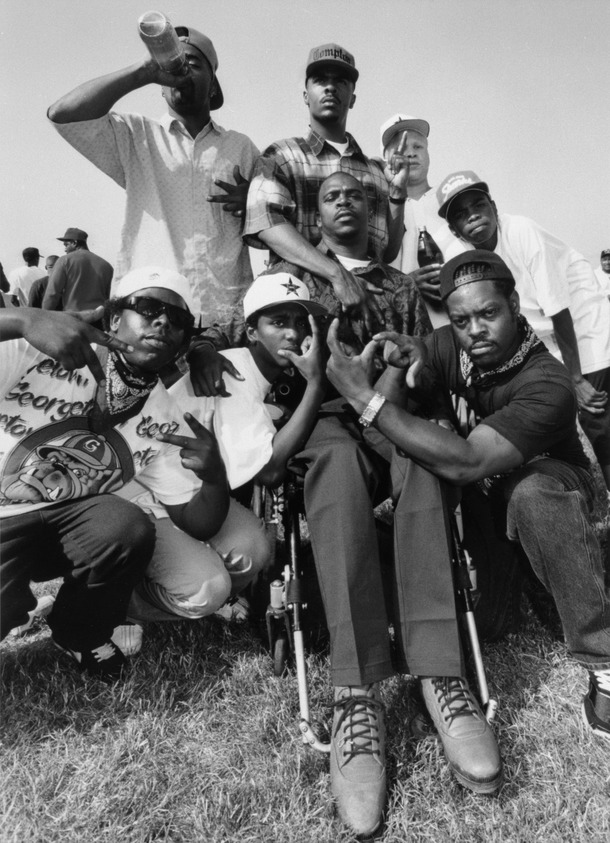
[
  {"x": 70, "y": 439},
  {"x": 276, "y": 310},
  {"x": 524, "y": 442}
]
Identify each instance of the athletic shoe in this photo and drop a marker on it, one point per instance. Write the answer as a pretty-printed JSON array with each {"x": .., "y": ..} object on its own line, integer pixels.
[
  {"x": 105, "y": 662},
  {"x": 357, "y": 757},
  {"x": 128, "y": 638},
  {"x": 235, "y": 609},
  {"x": 41, "y": 610},
  {"x": 468, "y": 740},
  {"x": 596, "y": 703}
]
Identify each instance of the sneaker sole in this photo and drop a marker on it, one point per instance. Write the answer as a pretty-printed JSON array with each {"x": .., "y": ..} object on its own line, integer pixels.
[{"x": 590, "y": 724}]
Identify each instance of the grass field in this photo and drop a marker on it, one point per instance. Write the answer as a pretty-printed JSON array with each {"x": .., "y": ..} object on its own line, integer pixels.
[{"x": 200, "y": 743}]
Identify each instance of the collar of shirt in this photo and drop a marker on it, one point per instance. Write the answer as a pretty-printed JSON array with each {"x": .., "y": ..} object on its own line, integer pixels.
[
  {"x": 374, "y": 273},
  {"x": 317, "y": 142},
  {"x": 169, "y": 122}
]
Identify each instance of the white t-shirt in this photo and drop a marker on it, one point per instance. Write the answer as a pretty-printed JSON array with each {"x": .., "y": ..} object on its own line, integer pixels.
[
  {"x": 48, "y": 452},
  {"x": 551, "y": 276},
  {"x": 243, "y": 423},
  {"x": 21, "y": 281}
]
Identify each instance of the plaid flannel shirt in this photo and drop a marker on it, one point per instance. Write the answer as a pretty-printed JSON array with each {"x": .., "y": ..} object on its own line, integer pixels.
[{"x": 286, "y": 181}]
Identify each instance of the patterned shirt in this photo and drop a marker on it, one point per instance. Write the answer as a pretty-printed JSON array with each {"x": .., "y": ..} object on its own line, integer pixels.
[
  {"x": 167, "y": 176},
  {"x": 286, "y": 181},
  {"x": 395, "y": 302}
]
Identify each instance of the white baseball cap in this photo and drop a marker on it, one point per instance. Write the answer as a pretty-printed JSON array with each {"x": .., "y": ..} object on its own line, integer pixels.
[
  {"x": 279, "y": 288},
  {"x": 156, "y": 276},
  {"x": 398, "y": 123}
]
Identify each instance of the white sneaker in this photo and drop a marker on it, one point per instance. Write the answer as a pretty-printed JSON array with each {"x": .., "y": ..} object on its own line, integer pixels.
[
  {"x": 41, "y": 610},
  {"x": 235, "y": 609},
  {"x": 128, "y": 638}
]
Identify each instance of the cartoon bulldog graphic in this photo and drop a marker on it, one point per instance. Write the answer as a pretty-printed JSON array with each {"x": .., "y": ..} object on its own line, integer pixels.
[{"x": 84, "y": 464}]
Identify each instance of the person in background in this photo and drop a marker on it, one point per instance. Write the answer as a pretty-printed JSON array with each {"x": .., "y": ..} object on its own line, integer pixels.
[
  {"x": 39, "y": 287},
  {"x": 421, "y": 208},
  {"x": 22, "y": 278},
  {"x": 81, "y": 279},
  {"x": 560, "y": 296},
  {"x": 170, "y": 170}
]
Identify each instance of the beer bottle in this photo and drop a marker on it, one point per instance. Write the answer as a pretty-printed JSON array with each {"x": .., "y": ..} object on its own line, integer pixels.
[{"x": 427, "y": 250}]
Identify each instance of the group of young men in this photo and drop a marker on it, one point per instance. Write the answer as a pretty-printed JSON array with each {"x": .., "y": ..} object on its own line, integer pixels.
[{"x": 128, "y": 489}]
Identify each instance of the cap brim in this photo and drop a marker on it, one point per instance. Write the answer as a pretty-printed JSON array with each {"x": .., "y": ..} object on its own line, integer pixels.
[
  {"x": 312, "y": 307},
  {"x": 217, "y": 100},
  {"x": 349, "y": 72},
  {"x": 480, "y": 186},
  {"x": 421, "y": 126}
]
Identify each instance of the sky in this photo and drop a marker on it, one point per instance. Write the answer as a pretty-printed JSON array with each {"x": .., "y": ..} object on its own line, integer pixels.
[{"x": 516, "y": 90}]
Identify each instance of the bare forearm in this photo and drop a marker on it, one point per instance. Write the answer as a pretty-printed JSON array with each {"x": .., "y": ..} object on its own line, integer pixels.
[
  {"x": 203, "y": 516},
  {"x": 286, "y": 242},
  {"x": 396, "y": 231},
  {"x": 95, "y": 98},
  {"x": 567, "y": 343}
]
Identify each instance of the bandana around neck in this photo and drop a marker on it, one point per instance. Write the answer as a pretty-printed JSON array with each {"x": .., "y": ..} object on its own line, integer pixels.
[
  {"x": 123, "y": 395},
  {"x": 529, "y": 342}
]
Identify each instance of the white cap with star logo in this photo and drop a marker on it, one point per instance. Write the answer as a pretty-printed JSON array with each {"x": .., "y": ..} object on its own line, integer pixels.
[{"x": 279, "y": 288}]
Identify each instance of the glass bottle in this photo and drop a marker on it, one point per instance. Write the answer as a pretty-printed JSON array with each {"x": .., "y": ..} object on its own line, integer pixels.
[
  {"x": 157, "y": 32},
  {"x": 427, "y": 250}
]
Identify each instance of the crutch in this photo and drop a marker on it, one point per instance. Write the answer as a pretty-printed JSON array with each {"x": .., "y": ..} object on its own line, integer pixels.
[
  {"x": 285, "y": 606},
  {"x": 464, "y": 574}
]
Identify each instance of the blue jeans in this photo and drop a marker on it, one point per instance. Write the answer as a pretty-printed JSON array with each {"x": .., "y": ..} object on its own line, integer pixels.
[{"x": 549, "y": 514}]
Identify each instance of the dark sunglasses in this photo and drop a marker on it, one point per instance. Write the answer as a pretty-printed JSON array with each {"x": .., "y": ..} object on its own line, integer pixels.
[{"x": 152, "y": 308}]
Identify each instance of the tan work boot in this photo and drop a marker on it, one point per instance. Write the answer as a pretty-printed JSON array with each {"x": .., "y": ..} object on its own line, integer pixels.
[
  {"x": 468, "y": 740},
  {"x": 357, "y": 757}
]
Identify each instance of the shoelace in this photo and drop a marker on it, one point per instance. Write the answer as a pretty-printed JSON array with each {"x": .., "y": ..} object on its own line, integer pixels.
[
  {"x": 361, "y": 726},
  {"x": 602, "y": 678},
  {"x": 455, "y": 697},
  {"x": 104, "y": 652}
]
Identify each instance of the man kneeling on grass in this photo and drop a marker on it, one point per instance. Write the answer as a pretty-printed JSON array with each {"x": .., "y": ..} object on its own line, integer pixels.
[
  {"x": 522, "y": 442},
  {"x": 69, "y": 439}
]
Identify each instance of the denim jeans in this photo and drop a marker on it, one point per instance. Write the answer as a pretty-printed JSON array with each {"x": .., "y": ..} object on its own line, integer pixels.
[{"x": 549, "y": 514}]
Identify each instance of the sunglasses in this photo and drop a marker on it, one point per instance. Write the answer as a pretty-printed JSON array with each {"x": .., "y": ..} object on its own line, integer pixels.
[{"x": 152, "y": 308}]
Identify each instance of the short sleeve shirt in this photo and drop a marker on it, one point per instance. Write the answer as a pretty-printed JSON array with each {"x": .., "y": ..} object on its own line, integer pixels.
[
  {"x": 286, "y": 181},
  {"x": 167, "y": 176}
]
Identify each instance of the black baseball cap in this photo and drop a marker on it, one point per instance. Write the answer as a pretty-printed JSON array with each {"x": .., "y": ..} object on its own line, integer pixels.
[{"x": 471, "y": 266}]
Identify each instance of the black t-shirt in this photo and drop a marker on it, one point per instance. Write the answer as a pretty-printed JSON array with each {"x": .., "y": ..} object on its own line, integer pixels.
[{"x": 533, "y": 405}]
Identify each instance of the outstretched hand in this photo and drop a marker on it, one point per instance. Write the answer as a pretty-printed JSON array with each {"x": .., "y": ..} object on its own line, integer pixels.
[
  {"x": 350, "y": 374},
  {"x": 234, "y": 199},
  {"x": 68, "y": 337},
  {"x": 200, "y": 453}
]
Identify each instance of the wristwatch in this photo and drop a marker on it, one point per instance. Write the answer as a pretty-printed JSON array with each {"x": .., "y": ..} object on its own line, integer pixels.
[{"x": 370, "y": 412}]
